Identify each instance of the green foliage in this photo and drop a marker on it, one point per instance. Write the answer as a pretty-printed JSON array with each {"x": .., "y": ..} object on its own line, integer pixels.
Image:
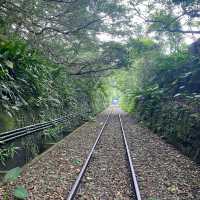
[
  {"x": 22, "y": 71},
  {"x": 5, "y": 196},
  {"x": 52, "y": 133},
  {"x": 141, "y": 46},
  {"x": 175, "y": 121},
  {"x": 163, "y": 20},
  {"x": 12, "y": 174},
  {"x": 185, "y": 2},
  {"x": 32, "y": 89},
  {"x": 76, "y": 162},
  {"x": 101, "y": 95},
  {"x": 172, "y": 61},
  {"x": 116, "y": 53},
  {"x": 20, "y": 192},
  {"x": 163, "y": 91},
  {"x": 32, "y": 83},
  {"x": 6, "y": 153},
  {"x": 6, "y": 122}
]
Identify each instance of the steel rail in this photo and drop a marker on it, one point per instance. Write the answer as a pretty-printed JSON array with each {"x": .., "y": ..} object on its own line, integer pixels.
[
  {"x": 74, "y": 189},
  {"x": 133, "y": 174},
  {"x": 17, "y": 133}
]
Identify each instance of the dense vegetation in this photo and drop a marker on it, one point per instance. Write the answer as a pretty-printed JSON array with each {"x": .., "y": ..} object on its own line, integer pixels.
[
  {"x": 55, "y": 61},
  {"x": 34, "y": 90},
  {"x": 165, "y": 95},
  {"x": 47, "y": 72},
  {"x": 162, "y": 85}
]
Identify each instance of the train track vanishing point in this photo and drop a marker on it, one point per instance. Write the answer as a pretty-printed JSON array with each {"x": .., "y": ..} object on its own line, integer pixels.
[{"x": 135, "y": 188}]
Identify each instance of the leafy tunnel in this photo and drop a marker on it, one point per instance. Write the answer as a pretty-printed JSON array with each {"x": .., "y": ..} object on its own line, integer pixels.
[{"x": 60, "y": 57}]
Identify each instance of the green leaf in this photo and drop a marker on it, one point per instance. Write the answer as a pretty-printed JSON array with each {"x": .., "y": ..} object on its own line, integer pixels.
[
  {"x": 76, "y": 161},
  {"x": 9, "y": 64},
  {"x": 12, "y": 174},
  {"x": 50, "y": 98},
  {"x": 20, "y": 192},
  {"x": 9, "y": 113},
  {"x": 15, "y": 108},
  {"x": 152, "y": 198}
]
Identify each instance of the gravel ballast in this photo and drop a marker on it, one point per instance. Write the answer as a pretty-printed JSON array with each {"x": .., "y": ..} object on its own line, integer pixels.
[
  {"x": 163, "y": 172},
  {"x": 108, "y": 176},
  {"x": 50, "y": 176}
]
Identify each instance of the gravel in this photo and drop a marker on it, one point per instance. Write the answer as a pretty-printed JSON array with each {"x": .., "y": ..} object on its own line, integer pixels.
[
  {"x": 163, "y": 172},
  {"x": 108, "y": 176},
  {"x": 50, "y": 175}
]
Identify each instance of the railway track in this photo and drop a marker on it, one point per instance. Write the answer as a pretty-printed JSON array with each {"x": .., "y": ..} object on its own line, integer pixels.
[{"x": 129, "y": 164}]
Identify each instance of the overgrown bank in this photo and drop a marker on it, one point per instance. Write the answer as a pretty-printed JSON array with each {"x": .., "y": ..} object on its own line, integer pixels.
[
  {"x": 33, "y": 90},
  {"x": 53, "y": 63},
  {"x": 163, "y": 92}
]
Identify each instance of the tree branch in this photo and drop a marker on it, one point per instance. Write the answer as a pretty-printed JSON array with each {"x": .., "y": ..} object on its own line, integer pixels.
[
  {"x": 178, "y": 31},
  {"x": 67, "y": 32},
  {"x": 61, "y": 1},
  {"x": 94, "y": 71}
]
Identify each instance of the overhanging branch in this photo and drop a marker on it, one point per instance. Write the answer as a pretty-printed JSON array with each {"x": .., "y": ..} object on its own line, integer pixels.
[
  {"x": 94, "y": 71},
  {"x": 54, "y": 29},
  {"x": 61, "y": 1},
  {"x": 178, "y": 31}
]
